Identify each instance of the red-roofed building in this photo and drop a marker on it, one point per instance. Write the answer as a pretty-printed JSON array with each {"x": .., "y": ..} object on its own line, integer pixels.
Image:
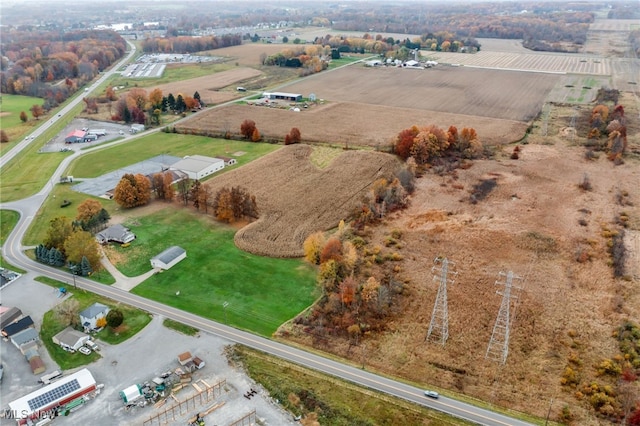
[{"x": 75, "y": 136}]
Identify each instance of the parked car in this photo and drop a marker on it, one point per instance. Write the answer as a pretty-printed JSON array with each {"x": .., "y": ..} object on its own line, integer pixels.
[
  {"x": 84, "y": 350},
  {"x": 431, "y": 394},
  {"x": 92, "y": 345}
]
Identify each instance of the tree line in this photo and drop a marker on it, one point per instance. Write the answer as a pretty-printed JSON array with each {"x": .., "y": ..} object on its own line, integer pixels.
[
  {"x": 188, "y": 44},
  {"x": 31, "y": 62},
  {"x": 226, "y": 205}
]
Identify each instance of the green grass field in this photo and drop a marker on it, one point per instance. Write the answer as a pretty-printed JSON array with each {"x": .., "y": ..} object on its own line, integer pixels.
[
  {"x": 134, "y": 321},
  {"x": 8, "y": 220},
  {"x": 27, "y": 173},
  {"x": 10, "y": 108},
  {"x": 261, "y": 292},
  {"x": 103, "y": 161}
]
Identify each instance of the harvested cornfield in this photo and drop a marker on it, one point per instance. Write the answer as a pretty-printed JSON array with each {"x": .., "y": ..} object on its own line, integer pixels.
[
  {"x": 296, "y": 199},
  {"x": 346, "y": 124}
]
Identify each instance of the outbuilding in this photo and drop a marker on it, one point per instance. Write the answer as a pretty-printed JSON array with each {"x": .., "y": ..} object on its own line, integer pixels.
[
  {"x": 24, "y": 336},
  {"x": 9, "y": 315},
  {"x": 47, "y": 398},
  {"x": 70, "y": 339},
  {"x": 168, "y": 258},
  {"x": 198, "y": 166},
  {"x": 17, "y": 326},
  {"x": 282, "y": 96}
]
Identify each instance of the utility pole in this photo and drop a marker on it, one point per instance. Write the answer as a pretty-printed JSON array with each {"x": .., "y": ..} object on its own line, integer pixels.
[
  {"x": 439, "y": 325},
  {"x": 498, "y": 348}
]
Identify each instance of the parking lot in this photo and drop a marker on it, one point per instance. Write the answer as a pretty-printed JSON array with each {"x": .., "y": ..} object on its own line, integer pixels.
[
  {"x": 148, "y": 354},
  {"x": 113, "y": 131}
]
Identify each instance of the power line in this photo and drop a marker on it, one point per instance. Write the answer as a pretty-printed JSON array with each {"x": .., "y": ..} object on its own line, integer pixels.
[
  {"x": 439, "y": 325},
  {"x": 498, "y": 348}
]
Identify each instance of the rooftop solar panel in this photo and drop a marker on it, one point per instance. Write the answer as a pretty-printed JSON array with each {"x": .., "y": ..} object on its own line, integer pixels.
[{"x": 53, "y": 395}]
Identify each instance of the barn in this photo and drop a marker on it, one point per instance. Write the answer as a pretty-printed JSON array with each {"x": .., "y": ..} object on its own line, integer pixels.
[
  {"x": 168, "y": 258},
  {"x": 58, "y": 394},
  {"x": 198, "y": 166},
  {"x": 282, "y": 96}
]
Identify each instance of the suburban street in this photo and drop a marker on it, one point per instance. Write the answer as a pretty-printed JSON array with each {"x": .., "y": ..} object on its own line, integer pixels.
[{"x": 13, "y": 253}]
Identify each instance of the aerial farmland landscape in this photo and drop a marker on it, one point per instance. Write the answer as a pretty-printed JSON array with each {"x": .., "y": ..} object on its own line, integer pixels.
[{"x": 415, "y": 213}]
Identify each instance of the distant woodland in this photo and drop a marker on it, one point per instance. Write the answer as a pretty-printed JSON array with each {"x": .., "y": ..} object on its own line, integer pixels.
[
  {"x": 186, "y": 44},
  {"x": 51, "y": 64}
]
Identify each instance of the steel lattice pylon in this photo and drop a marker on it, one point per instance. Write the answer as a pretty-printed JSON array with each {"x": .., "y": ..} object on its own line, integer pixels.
[
  {"x": 498, "y": 348},
  {"x": 439, "y": 325}
]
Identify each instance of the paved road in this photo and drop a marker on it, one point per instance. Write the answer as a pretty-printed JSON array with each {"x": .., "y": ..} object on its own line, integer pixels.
[
  {"x": 13, "y": 253},
  {"x": 61, "y": 113}
]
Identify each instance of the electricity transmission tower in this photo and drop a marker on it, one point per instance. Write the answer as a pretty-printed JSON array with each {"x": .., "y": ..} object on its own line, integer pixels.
[
  {"x": 439, "y": 325},
  {"x": 498, "y": 348}
]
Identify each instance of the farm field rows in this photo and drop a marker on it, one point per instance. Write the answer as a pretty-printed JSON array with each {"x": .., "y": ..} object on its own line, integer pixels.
[
  {"x": 296, "y": 199},
  {"x": 507, "y": 95},
  {"x": 542, "y": 62},
  {"x": 349, "y": 124}
]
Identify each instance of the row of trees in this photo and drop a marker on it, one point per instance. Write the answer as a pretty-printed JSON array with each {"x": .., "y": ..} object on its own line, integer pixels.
[
  {"x": 188, "y": 44},
  {"x": 427, "y": 143},
  {"x": 146, "y": 108},
  {"x": 608, "y": 131},
  {"x": 227, "y": 204}
]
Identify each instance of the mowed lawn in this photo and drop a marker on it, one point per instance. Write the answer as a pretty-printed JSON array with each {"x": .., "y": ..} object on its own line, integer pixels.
[
  {"x": 106, "y": 160},
  {"x": 261, "y": 293},
  {"x": 10, "y": 108}
]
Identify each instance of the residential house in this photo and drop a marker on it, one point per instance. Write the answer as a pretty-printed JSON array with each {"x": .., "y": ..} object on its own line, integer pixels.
[
  {"x": 70, "y": 339},
  {"x": 90, "y": 316},
  {"x": 115, "y": 233}
]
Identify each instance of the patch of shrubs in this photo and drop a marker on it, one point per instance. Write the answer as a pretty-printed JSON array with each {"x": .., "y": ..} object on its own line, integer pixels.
[{"x": 482, "y": 189}]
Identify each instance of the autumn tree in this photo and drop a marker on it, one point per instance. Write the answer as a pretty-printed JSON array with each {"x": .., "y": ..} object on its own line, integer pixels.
[
  {"x": 292, "y": 137},
  {"x": 68, "y": 312},
  {"x": 3, "y": 136},
  {"x": 184, "y": 185},
  {"x": 82, "y": 244},
  {"x": 233, "y": 204},
  {"x": 255, "y": 136},
  {"x": 332, "y": 250},
  {"x": 59, "y": 230},
  {"x": 247, "y": 127},
  {"x": 132, "y": 191},
  {"x": 169, "y": 192},
  {"x": 88, "y": 209},
  {"x": 37, "y": 111},
  {"x": 110, "y": 93},
  {"x": 195, "y": 194},
  {"x": 155, "y": 98},
  {"x": 23, "y": 117},
  {"x": 404, "y": 142},
  {"x": 115, "y": 318},
  {"x": 312, "y": 247}
]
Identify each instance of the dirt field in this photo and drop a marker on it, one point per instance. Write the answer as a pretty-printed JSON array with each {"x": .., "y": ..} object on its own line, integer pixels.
[
  {"x": 529, "y": 225},
  {"x": 473, "y": 92},
  {"x": 248, "y": 54},
  {"x": 349, "y": 124},
  {"x": 210, "y": 87},
  {"x": 282, "y": 180}
]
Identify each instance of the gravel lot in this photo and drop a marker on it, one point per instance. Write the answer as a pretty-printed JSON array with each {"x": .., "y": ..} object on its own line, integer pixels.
[{"x": 153, "y": 351}]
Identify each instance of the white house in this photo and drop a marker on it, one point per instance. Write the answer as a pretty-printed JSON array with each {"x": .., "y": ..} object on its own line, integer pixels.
[
  {"x": 198, "y": 166},
  {"x": 70, "y": 339},
  {"x": 168, "y": 258},
  {"x": 90, "y": 316}
]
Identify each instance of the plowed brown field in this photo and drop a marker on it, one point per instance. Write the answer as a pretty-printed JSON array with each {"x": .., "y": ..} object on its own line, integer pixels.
[
  {"x": 209, "y": 86},
  {"x": 296, "y": 199}
]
